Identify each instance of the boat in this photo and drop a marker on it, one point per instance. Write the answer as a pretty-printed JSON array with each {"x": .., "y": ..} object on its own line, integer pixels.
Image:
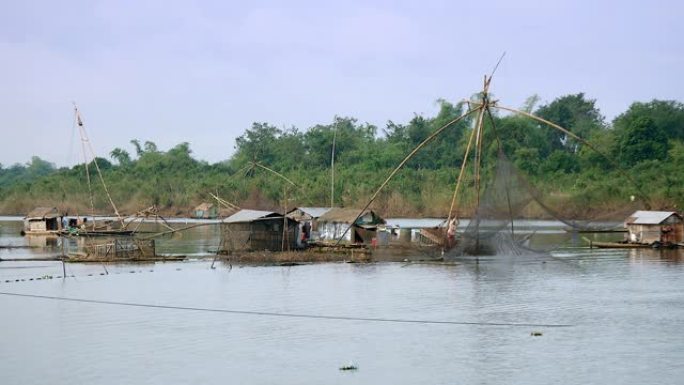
[{"x": 617, "y": 245}]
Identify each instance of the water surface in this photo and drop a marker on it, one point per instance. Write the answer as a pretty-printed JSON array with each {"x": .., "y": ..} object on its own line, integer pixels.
[{"x": 626, "y": 308}]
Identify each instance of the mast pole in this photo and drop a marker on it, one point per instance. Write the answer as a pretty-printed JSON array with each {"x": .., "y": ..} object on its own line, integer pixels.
[
  {"x": 332, "y": 168},
  {"x": 478, "y": 157},
  {"x": 79, "y": 122},
  {"x": 460, "y": 179},
  {"x": 84, "y": 140}
]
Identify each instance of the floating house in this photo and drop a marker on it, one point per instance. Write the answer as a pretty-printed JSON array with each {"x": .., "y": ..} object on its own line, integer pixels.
[
  {"x": 205, "y": 211},
  {"x": 256, "y": 230},
  {"x": 308, "y": 219},
  {"x": 426, "y": 231},
  {"x": 648, "y": 227},
  {"x": 43, "y": 220},
  {"x": 333, "y": 224}
]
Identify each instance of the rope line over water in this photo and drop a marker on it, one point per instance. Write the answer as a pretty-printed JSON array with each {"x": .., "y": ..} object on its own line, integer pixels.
[{"x": 284, "y": 315}]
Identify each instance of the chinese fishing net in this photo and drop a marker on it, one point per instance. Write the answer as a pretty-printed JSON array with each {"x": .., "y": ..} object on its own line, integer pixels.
[{"x": 501, "y": 224}]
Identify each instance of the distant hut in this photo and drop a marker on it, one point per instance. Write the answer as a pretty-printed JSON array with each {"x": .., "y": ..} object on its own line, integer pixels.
[
  {"x": 205, "y": 211},
  {"x": 647, "y": 227},
  {"x": 255, "y": 230},
  {"x": 308, "y": 219},
  {"x": 43, "y": 220},
  {"x": 333, "y": 224}
]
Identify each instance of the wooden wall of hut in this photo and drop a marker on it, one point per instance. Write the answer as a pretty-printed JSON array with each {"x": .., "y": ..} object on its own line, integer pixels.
[{"x": 262, "y": 234}]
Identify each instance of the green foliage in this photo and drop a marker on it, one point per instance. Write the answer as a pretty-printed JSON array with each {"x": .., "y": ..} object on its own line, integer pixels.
[
  {"x": 667, "y": 115},
  {"x": 575, "y": 113},
  {"x": 642, "y": 140},
  {"x": 648, "y": 140}
]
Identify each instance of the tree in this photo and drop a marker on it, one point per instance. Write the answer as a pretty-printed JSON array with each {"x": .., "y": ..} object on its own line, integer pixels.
[
  {"x": 121, "y": 156},
  {"x": 561, "y": 161},
  {"x": 102, "y": 163},
  {"x": 642, "y": 140},
  {"x": 575, "y": 113},
  {"x": 39, "y": 167},
  {"x": 667, "y": 115},
  {"x": 138, "y": 148},
  {"x": 530, "y": 103},
  {"x": 150, "y": 146},
  {"x": 257, "y": 143}
]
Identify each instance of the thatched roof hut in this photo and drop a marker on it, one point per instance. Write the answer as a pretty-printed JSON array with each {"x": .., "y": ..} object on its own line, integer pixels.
[
  {"x": 43, "y": 213},
  {"x": 43, "y": 220}
]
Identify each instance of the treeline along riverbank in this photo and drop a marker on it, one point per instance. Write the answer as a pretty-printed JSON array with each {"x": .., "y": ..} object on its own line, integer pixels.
[{"x": 646, "y": 141}]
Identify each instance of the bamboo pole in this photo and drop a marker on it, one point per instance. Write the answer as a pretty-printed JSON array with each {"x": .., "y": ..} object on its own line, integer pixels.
[
  {"x": 276, "y": 173},
  {"x": 402, "y": 163},
  {"x": 581, "y": 140},
  {"x": 459, "y": 180},
  {"x": 79, "y": 122},
  {"x": 85, "y": 139},
  {"x": 478, "y": 162}
]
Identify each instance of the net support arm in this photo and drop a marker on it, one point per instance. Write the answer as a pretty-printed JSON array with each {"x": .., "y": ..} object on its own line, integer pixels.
[{"x": 408, "y": 157}]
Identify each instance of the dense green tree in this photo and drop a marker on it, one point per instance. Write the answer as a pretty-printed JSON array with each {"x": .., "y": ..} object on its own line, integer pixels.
[
  {"x": 150, "y": 146},
  {"x": 257, "y": 143},
  {"x": 574, "y": 113},
  {"x": 646, "y": 141},
  {"x": 642, "y": 140},
  {"x": 121, "y": 156},
  {"x": 38, "y": 167},
  {"x": 667, "y": 115}
]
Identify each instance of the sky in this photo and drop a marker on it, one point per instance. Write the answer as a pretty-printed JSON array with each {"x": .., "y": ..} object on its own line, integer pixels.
[{"x": 202, "y": 72}]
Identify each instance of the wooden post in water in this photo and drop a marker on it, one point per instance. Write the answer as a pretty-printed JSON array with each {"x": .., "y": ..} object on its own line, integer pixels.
[{"x": 63, "y": 256}]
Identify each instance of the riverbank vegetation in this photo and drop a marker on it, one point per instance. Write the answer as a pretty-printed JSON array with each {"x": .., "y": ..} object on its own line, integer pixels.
[{"x": 646, "y": 141}]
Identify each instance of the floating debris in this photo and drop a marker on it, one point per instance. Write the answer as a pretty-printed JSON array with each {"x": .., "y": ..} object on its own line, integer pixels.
[
  {"x": 349, "y": 366},
  {"x": 536, "y": 334}
]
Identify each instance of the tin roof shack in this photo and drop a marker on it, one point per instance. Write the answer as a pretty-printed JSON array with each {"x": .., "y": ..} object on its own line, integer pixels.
[
  {"x": 308, "y": 214},
  {"x": 43, "y": 220},
  {"x": 205, "y": 211},
  {"x": 648, "y": 227},
  {"x": 255, "y": 230},
  {"x": 423, "y": 231},
  {"x": 308, "y": 220},
  {"x": 333, "y": 224}
]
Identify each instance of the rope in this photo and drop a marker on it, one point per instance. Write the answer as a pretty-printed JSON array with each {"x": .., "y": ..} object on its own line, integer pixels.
[{"x": 284, "y": 315}]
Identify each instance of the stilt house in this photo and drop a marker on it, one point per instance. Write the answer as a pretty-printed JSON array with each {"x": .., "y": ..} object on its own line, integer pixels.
[
  {"x": 333, "y": 224},
  {"x": 647, "y": 227},
  {"x": 255, "y": 230},
  {"x": 43, "y": 220}
]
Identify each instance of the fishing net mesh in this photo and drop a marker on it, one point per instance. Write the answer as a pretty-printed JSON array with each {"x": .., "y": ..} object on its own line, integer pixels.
[{"x": 508, "y": 196}]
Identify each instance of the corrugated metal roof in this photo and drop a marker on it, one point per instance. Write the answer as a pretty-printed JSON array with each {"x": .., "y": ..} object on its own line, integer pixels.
[
  {"x": 315, "y": 212},
  {"x": 649, "y": 217},
  {"x": 248, "y": 216},
  {"x": 347, "y": 215},
  {"x": 415, "y": 223}
]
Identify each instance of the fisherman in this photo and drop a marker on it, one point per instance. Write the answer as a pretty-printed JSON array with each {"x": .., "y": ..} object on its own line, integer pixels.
[
  {"x": 451, "y": 232},
  {"x": 306, "y": 232}
]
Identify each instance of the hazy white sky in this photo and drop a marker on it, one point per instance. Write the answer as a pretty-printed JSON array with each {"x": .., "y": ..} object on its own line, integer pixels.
[{"x": 202, "y": 72}]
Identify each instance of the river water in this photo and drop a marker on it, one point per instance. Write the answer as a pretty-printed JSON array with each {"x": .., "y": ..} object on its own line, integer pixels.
[{"x": 624, "y": 310}]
